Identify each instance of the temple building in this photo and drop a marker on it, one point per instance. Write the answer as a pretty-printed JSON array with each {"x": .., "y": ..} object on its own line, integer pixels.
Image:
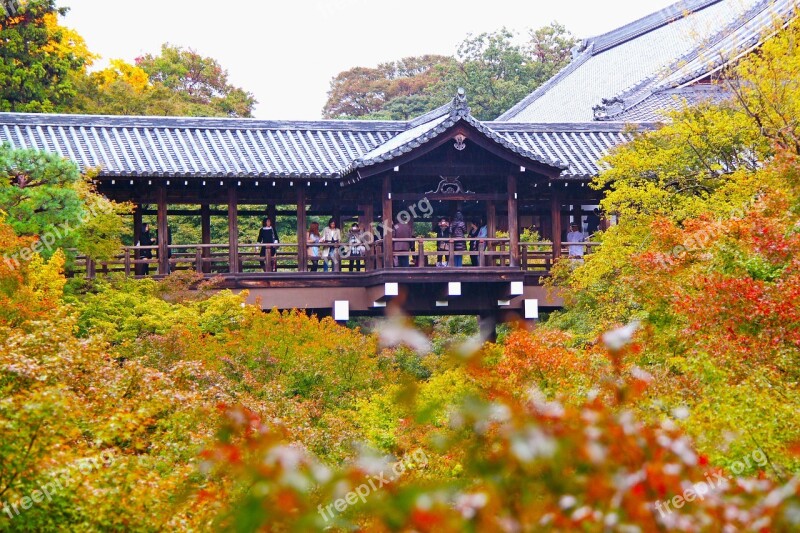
[{"x": 530, "y": 168}]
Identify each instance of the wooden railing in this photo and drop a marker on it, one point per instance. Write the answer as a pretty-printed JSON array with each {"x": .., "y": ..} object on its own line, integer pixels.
[{"x": 417, "y": 252}]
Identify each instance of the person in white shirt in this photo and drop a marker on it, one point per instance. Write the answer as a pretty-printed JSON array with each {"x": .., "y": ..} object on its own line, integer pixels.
[
  {"x": 575, "y": 251},
  {"x": 330, "y": 235}
]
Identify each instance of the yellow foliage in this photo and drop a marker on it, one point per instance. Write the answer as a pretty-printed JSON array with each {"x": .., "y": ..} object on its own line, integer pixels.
[
  {"x": 121, "y": 71},
  {"x": 69, "y": 41},
  {"x": 46, "y": 278}
]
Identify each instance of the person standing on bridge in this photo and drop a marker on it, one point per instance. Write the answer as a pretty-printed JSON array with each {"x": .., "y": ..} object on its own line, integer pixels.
[
  {"x": 442, "y": 232},
  {"x": 575, "y": 250},
  {"x": 330, "y": 236},
  {"x": 473, "y": 241},
  {"x": 458, "y": 230},
  {"x": 268, "y": 235},
  {"x": 313, "y": 239}
]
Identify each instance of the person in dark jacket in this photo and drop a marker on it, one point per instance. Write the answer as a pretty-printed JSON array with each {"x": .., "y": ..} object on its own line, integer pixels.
[
  {"x": 442, "y": 232},
  {"x": 458, "y": 230},
  {"x": 268, "y": 235},
  {"x": 473, "y": 241},
  {"x": 145, "y": 239}
]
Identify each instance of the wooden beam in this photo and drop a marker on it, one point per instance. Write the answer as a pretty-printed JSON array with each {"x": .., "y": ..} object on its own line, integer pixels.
[
  {"x": 415, "y": 197},
  {"x": 387, "y": 219},
  {"x": 555, "y": 222},
  {"x": 513, "y": 221},
  {"x": 233, "y": 228},
  {"x": 302, "y": 251},
  {"x": 163, "y": 230}
]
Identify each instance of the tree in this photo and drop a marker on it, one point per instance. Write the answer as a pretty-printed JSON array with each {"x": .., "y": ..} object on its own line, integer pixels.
[
  {"x": 44, "y": 196},
  {"x": 38, "y": 58},
  {"x": 497, "y": 72},
  {"x": 363, "y": 91},
  {"x": 705, "y": 256},
  {"x": 200, "y": 83}
]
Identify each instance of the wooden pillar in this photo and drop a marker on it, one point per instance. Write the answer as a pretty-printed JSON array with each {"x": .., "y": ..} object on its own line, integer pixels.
[
  {"x": 163, "y": 230},
  {"x": 205, "y": 237},
  {"x": 386, "y": 198},
  {"x": 302, "y": 251},
  {"x": 555, "y": 222},
  {"x": 491, "y": 219},
  {"x": 137, "y": 235},
  {"x": 367, "y": 216},
  {"x": 233, "y": 228},
  {"x": 491, "y": 231},
  {"x": 272, "y": 214},
  {"x": 513, "y": 222}
]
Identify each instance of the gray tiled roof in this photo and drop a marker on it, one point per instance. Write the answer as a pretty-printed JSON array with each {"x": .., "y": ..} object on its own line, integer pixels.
[
  {"x": 655, "y": 106},
  {"x": 438, "y": 122},
  {"x": 125, "y": 146},
  {"x": 581, "y": 145},
  {"x": 198, "y": 147},
  {"x": 665, "y": 50}
]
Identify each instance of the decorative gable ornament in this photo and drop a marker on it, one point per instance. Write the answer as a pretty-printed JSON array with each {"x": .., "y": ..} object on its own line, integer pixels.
[
  {"x": 459, "y": 144},
  {"x": 448, "y": 185}
]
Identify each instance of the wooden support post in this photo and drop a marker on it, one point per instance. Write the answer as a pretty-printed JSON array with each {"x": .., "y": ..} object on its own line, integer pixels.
[
  {"x": 233, "y": 228},
  {"x": 272, "y": 214},
  {"x": 491, "y": 229},
  {"x": 137, "y": 236},
  {"x": 163, "y": 230},
  {"x": 555, "y": 219},
  {"x": 205, "y": 230},
  {"x": 302, "y": 251},
  {"x": 513, "y": 223},
  {"x": 386, "y": 196}
]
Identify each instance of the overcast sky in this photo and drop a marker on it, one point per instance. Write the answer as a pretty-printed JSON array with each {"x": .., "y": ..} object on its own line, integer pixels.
[{"x": 287, "y": 52}]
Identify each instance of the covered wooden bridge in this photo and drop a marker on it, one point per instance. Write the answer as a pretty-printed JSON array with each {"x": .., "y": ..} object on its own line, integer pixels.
[{"x": 511, "y": 176}]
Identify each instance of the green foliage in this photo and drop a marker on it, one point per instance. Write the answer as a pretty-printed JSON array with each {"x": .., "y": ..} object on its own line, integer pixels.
[
  {"x": 177, "y": 82},
  {"x": 200, "y": 82},
  {"x": 44, "y": 196},
  {"x": 496, "y": 70},
  {"x": 38, "y": 58}
]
